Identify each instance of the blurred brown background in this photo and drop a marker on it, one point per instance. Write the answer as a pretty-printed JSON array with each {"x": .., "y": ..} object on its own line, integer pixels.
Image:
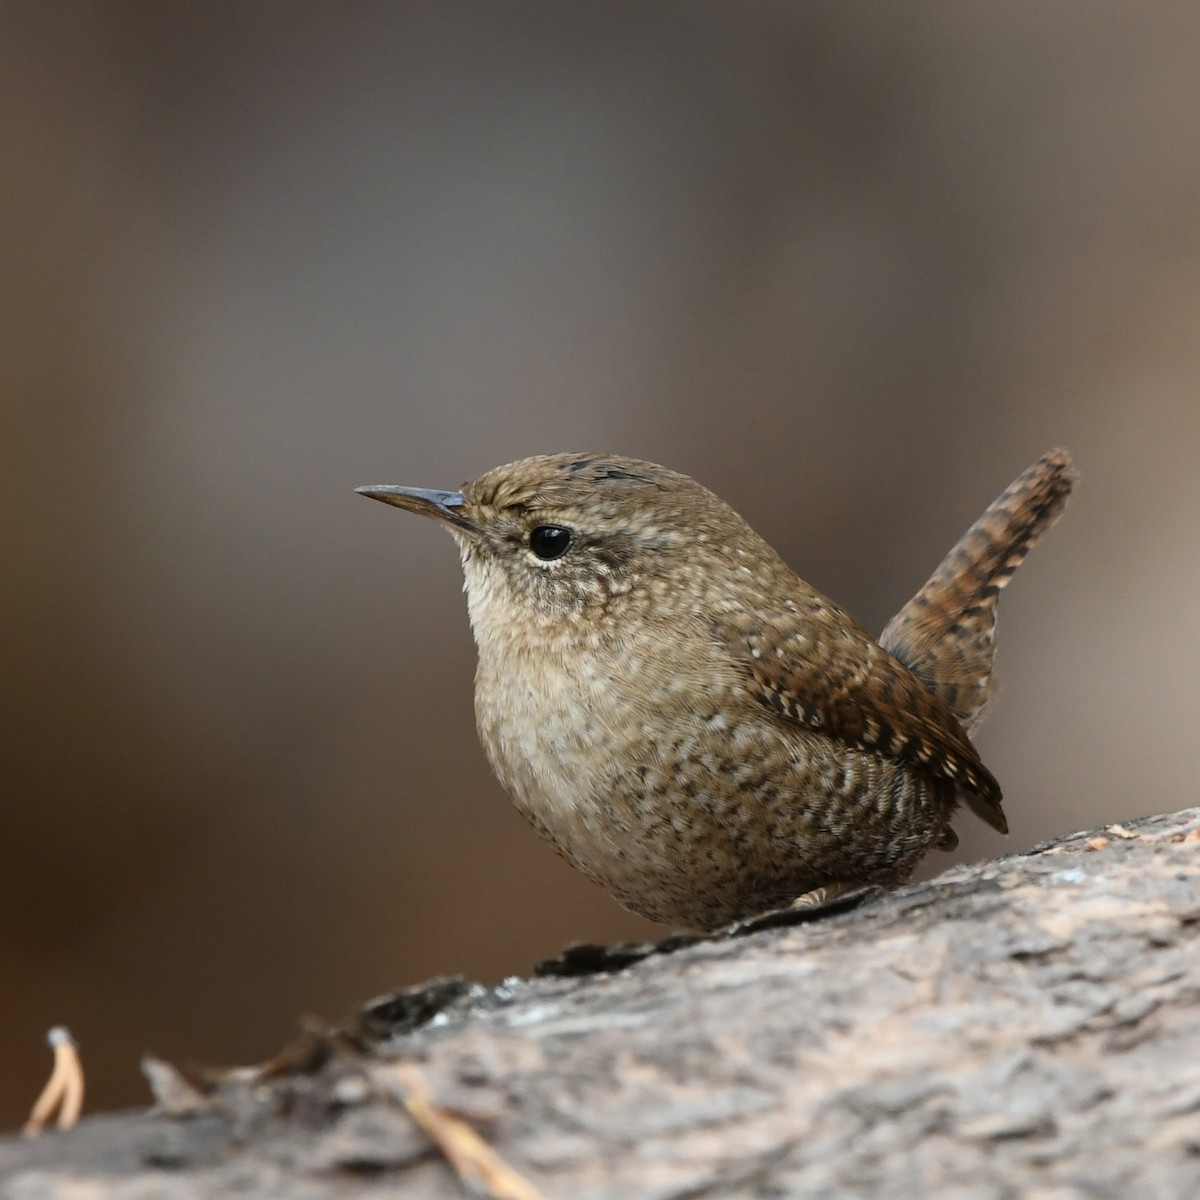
[{"x": 852, "y": 264}]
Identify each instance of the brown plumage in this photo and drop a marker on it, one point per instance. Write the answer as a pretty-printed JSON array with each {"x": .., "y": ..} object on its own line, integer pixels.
[
  {"x": 691, "y": 724},
  {"x": 946, "y": 634}
]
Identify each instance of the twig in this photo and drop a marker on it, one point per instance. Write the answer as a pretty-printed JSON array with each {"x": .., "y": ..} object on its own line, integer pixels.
[
  {"x": 63, "y": 1090},
  {"x": 471, "y": 1158}
]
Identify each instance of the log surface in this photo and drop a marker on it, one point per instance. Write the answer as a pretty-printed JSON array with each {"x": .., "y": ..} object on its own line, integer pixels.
[{"x": 1027, "y": 1027}]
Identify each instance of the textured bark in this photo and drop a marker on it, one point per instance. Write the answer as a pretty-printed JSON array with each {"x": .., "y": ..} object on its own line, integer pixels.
[{"x": 1024, "y": 1027}]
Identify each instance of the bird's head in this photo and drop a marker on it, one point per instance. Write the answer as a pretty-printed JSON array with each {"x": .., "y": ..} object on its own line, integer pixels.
[{"x": 561, "y": 534}]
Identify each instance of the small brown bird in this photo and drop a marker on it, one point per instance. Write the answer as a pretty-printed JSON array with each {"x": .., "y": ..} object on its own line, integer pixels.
[{"x": 691, "y": 724}]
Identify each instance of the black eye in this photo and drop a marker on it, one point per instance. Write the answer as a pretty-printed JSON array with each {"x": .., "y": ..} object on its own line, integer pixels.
[{"x": 550, "y": 541}]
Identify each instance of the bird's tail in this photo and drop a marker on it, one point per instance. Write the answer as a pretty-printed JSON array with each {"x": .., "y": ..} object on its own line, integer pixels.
[{"x": 946, "y": 634}]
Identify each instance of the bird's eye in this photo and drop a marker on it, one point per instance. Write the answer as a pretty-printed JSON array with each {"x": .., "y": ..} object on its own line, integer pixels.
[{"x": 550, "y": 541}]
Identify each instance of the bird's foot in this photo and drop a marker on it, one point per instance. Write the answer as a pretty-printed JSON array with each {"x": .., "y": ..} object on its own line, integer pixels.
[
  {"x": 590, "y": 959},
  {"x": 821, "y": 902}
]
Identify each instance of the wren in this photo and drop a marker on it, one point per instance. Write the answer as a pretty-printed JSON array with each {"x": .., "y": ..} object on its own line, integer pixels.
[{"x": 691, "y": 724}]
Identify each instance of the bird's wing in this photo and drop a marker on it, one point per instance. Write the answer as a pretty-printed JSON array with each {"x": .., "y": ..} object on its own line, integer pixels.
[{"x": 816, "y": 667}]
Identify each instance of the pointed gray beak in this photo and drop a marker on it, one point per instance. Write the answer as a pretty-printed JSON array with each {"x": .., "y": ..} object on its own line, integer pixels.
[{"x": 425, "y": 502}]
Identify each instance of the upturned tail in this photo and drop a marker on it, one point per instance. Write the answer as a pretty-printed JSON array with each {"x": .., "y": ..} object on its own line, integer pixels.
[{"x": 946, "y": 634}]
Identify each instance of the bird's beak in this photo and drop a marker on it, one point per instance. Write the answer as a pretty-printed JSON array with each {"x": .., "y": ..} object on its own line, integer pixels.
[{"x": 425, "y": 502}]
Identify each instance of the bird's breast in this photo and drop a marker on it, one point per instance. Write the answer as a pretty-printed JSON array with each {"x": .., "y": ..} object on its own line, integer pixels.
[{"x": 552, "y": 723}]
